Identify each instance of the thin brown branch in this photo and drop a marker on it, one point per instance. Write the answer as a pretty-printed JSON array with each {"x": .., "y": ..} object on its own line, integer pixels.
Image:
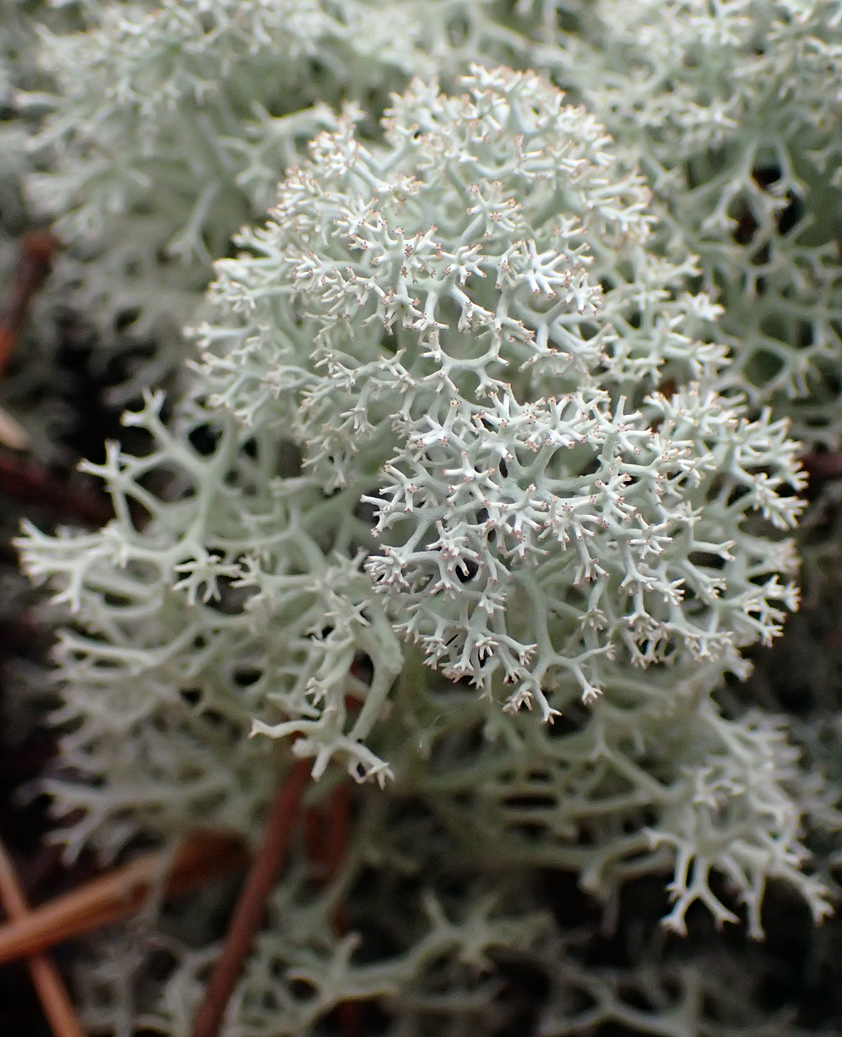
[
  {"x": 251, "y": 905},
  {"x": 326, "y": 832},
  {"x": 48, "y": 984},
  {"x": 336, "y": 845},
  {"x": 339, "y": 820},
  {"x": 33, "y": 266},
  {"x": 118, "y": 894},
  {"x": 29, "y": 483},
  {"x": 822, "y": 467}
]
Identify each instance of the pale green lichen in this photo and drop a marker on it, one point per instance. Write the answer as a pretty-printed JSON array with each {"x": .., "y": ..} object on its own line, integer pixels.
[
  {"x": 733, "y": 110},
  {"x": 479, "y": 423},
  {"x": 428, "y": 413}
]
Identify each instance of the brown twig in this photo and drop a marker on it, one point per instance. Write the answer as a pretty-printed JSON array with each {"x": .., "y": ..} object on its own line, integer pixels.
[
  {"x": 251, "y": 905},
  {"x": 339, "y": 820},
  {"x": 326, "y": 832},
  {"x": 336, "y": 844},
  {"x": 332, "y": 847},
  {"x": 37, "y": 251},
  {"x": 119, "y": 894},
  {"x": 31, "y": 484},
  {"x": 822, "y": 467},
  {"x": 51, "y": 990}
]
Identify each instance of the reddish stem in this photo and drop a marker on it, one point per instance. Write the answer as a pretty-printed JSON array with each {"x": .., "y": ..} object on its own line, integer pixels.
[
  {"x": 822, "y": 467},
  {"x": 339, "y": 822},
  {"x": 327, "y": 842},
  {"x": 29, "y": 483},
  {"x": 33, "y": 266},
  {"x": 251, "y": 905},
  {"x": 348, "y": 1012}
]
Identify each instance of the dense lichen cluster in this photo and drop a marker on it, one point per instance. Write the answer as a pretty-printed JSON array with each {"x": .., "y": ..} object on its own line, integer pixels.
[{"x": 477, "y": 487}]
